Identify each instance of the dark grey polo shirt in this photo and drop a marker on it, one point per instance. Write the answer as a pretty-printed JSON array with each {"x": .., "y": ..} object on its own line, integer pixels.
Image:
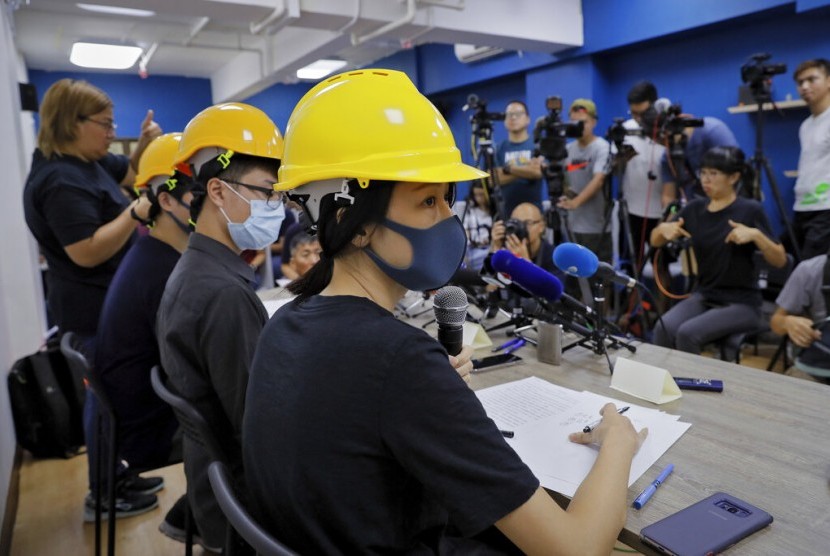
[{"x": 208, "y": 324}]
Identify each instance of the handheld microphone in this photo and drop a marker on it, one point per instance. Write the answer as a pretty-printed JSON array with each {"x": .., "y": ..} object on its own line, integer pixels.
[
  {"x": 450, "y": 306},
  {"x": 579, "y": 261}
]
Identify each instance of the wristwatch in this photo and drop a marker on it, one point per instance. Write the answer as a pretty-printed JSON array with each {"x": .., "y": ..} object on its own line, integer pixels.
[{"x": 505, "y": 169}]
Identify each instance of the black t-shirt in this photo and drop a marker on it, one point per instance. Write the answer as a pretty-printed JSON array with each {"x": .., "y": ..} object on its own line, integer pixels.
[
  {"x": 66, "y": 200},
  {"x": 126, "y": 350},
  {"x": 359, "y": 437},
  {"x": 726, "y": 271}
]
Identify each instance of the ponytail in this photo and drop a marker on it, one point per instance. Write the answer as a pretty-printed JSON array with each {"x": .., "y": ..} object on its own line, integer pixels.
[{"x": 338, "y": 224}]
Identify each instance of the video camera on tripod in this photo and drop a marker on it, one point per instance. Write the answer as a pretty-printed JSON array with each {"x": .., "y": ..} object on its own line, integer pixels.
[
  {"x": 550, "y": 135},
  {"x": 617, "y": 133},
  {"x": 758, "y": 75},
  {"x": 481, "y": 119}
]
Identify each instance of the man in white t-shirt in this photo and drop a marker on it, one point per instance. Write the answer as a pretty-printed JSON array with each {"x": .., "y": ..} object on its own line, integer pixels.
[
  {"x": 811, "y": 222},
  {"x": 642, "y": 182}
]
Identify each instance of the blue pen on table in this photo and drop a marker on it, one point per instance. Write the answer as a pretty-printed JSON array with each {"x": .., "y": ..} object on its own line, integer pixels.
[
  {"x": 507, "y": 344},
  {"x": 595, "y": 424},
  {"x": 646, "y": 495},
  {"x": 519, "y": 344}
]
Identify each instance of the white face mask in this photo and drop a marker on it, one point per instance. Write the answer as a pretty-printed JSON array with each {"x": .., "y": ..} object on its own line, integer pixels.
[{"x": 261, "y": 228}]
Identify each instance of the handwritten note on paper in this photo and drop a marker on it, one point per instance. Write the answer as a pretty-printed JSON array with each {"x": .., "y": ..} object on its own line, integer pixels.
[
  {"x": 526, "y": 401},
  {"x": 543, "y": 415}
]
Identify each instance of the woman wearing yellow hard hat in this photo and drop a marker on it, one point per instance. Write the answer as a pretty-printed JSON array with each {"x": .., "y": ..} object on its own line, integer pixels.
[{"x": 358, "y": 435}]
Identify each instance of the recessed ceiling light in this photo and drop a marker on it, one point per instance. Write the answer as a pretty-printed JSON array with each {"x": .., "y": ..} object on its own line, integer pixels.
[
  {"x": 116, "y": 10},
  {"x": 319, "y": 69},
  {"x": 104, "y": 56}
]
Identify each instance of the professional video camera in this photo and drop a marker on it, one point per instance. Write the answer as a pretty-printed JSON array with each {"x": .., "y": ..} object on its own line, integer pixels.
[
  {"x": 550, "y": 135},
  {"x": 550, "y": 132},
  {"x": 481, "y": 119},
  {"x": 757, "y": 75}
]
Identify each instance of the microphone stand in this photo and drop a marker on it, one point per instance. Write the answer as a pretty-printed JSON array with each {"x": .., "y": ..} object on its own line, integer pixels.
[{"x": 601, "y": 339}]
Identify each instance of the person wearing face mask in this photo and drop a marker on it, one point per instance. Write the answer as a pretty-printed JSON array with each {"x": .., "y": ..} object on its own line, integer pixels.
[
  {"x": 374, "y": 444},
  {"x": 126, "y": 342},
  {"x": 210, "y": 316}
]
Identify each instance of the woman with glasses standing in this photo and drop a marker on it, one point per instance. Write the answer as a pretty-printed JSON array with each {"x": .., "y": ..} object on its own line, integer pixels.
[{"x": 79, "y": 214}]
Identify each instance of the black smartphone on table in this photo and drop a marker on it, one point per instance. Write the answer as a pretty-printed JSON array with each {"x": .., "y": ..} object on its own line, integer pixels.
[{"x": 494, "y": 361}]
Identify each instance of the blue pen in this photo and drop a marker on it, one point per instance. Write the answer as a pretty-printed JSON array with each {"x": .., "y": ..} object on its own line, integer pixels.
[
  {"x": 644, "y": 496},
  {"x": 507, "y": 344},
  {"x": 517, "y": 345}
]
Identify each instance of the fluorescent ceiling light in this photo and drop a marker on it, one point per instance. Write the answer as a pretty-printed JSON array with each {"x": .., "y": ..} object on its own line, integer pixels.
[
  {"x": 104, "y": 56},
  {"x": 116, "y": 10},
  {"x": 319, "y": 69}
]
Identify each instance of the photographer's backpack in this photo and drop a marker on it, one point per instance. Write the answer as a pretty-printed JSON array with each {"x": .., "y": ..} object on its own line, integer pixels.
[{"x": 47, "y": 403}]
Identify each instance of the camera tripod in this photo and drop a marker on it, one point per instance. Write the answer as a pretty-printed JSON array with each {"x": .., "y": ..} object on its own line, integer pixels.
[{"x": 761, "y": 94}]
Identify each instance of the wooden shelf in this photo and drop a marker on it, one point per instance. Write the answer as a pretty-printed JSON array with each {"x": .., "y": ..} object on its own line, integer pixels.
[{"x": 781, "y": 104}]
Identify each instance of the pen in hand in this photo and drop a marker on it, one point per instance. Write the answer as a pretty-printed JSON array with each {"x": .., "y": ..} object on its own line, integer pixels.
[
  {"x": 649, "y": 491},
  {"x": 595, "y": 424}
]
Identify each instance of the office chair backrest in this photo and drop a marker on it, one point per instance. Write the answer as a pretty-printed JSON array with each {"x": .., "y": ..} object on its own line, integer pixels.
[
  {"x": 193, "y": 423},
  {"x": 239, "y": 518},
  {"x": 82, "y": 371}
]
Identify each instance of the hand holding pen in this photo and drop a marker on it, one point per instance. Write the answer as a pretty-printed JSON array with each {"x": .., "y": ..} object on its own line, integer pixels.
[{"x": 611, "y": 423}]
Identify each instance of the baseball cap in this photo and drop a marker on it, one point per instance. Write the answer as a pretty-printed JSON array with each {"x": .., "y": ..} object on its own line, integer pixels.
[{"x": 584, "y": 105}]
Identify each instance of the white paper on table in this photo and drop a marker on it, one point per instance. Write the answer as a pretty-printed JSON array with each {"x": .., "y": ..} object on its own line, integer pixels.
[{"x": 542, "y": 415}]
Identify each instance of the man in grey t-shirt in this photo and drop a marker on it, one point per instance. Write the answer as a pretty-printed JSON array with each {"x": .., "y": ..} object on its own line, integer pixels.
[
  {"x": 800, "y": 304},
  {"x": 584, "y": 198}
]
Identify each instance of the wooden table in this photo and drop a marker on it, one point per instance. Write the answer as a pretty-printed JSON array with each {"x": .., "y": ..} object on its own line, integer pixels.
[{"x": 764, "y": 439}]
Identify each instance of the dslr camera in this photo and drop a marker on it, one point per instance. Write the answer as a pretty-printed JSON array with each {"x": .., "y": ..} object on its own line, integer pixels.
[{"x": 516, "y": 228}]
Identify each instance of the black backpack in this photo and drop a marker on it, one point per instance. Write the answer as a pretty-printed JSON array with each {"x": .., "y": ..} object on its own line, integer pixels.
[{"x": 47, "y": 404}]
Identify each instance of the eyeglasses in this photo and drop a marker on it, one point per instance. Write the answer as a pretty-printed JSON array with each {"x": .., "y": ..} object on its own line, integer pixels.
[
  {"x": 514, "y": 114},
  {"x": 108, "y": 126},
  {"x": 272, "y": 198}
]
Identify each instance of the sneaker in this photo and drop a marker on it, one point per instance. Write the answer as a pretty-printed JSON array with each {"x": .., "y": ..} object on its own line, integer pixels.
[
  {"x": 137, "y": 484},
  {"x": 126, "y": 504},
  {"x": 173, "y": 526}
]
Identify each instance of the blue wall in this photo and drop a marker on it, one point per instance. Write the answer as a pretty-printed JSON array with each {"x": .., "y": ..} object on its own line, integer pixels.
[
  {"x": 699, "y": 68},
  {"x": 691, "y": 50},
  {"x": 174, "y": 99}
]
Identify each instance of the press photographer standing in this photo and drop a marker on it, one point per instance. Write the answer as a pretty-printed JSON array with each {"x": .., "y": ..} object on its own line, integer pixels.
[
  {"x": 811, "y": 222},
  {"x": 586, "y": 171},
  {"x": 519, "y": 173}
]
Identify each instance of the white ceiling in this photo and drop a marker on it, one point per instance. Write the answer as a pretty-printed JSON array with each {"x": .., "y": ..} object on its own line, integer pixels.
[{"x": 244, "y": 46}]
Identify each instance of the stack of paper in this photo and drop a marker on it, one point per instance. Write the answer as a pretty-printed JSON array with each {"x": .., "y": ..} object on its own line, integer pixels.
[{"x": 542, "y": 415}]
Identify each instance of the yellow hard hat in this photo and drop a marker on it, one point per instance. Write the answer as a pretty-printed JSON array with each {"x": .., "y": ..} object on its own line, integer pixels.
[
  {"x": 370, "y": 124},
  {"x": 232, "y": 126},
  {"x": 157, "y": 159}
]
